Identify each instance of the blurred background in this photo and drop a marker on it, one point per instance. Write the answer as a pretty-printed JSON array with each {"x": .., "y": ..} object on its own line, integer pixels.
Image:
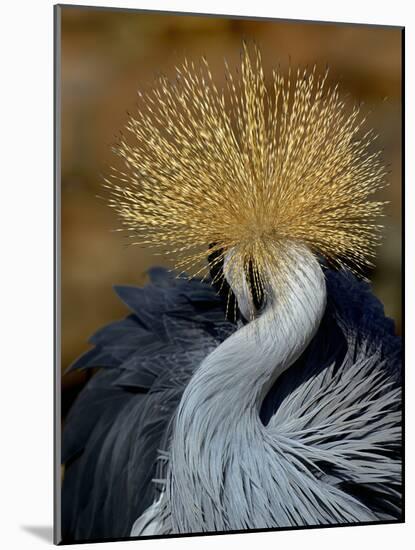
[{"x": 108, "y": 55}]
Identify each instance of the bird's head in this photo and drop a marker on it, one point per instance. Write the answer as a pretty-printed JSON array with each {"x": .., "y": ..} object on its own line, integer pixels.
[{"x": 247, "y": 173}]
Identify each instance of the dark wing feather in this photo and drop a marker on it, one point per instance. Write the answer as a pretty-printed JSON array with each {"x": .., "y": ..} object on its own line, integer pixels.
[
  {"x": 120, "y": 420},
  {"x": 352, "y": 309}
]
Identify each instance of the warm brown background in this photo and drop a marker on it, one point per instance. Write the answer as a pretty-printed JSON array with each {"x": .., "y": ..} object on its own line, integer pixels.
[{"x": 108, "y": 55}]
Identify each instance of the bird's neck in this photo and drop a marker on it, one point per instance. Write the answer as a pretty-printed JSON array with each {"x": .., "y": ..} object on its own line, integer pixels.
[{"x": 218, "y": 417}]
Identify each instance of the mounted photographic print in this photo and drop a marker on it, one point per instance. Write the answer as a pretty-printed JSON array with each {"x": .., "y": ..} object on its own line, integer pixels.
[{"x": 228, "y": 312}]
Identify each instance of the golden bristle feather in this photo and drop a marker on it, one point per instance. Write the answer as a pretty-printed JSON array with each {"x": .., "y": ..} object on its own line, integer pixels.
[{"x": 249, "y": 170}]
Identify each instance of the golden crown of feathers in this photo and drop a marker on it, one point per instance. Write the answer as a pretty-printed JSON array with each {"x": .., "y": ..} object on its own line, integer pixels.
[{"x": 249, "y": 169}]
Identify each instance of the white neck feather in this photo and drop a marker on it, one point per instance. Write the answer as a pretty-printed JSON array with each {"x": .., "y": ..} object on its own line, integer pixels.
[{"x": 217, "y": 424}]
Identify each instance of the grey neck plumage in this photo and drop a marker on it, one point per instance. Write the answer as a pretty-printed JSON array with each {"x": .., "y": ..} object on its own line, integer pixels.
[{"x": 220, "y": 474}]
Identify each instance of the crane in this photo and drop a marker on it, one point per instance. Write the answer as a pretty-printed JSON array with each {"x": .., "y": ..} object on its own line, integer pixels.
[{"x": 262, "y": 390}]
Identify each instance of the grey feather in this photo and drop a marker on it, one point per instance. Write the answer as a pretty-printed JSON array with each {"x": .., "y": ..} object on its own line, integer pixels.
[
  {"x": 339, "y": 428},
  {"x": 331, "y": 421}
]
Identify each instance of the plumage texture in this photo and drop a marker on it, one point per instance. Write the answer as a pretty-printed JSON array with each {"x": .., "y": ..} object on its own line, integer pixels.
[
  {"x": 294, "y": 418},
  {"x": 249, "y": 169},
  {"x": 119, "y": 421},
  {"x": 228, "y": 471},
  {"x": 122, "y": 419}
]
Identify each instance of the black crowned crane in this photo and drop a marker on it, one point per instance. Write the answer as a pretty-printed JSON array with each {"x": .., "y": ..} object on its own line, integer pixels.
[{"x": 271, "y": 397}]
